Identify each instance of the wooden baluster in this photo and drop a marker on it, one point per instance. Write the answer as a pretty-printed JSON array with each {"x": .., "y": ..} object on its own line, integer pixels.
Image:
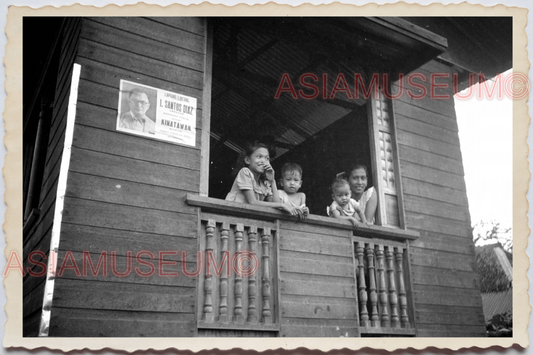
[
  {"x": 363, "y": 298},
  {"x": 237, "y": 313},
  {"x": 208, "y": 285},
  {"x": 383, "y": 299},
  {"x": 393, "y": 297},
  {"x": 252, "y": 285},
  {"x": 224, "y": 237},
  {"x": 265, "y": 243},
  {"x": 374, "y": 315},
  {"x": 404, "y": 318}
]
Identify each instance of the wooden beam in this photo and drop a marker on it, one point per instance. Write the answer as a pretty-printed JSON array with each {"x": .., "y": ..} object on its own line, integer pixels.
[{"x": 271, "y": 214}]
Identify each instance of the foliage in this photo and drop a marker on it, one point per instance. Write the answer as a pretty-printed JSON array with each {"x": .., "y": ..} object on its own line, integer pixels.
[
  {"x": 490, "y": 232},
  {"x": 501, "y": 325},
  {"x": 492, "y": 278}
]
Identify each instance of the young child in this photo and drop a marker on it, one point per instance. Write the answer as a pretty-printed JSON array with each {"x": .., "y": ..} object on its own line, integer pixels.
[
  {"x": 255, "y": 182},
  {"x": 343, "y": 205},
  {"x": 368, "y": 200},
  {"x": 290, "y": 182}
]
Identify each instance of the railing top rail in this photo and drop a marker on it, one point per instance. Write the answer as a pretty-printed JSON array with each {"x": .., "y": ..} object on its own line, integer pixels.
[{"x": 271, "y": 214}]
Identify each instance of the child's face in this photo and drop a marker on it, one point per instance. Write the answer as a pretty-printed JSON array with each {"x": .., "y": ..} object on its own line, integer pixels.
[
  {"x": 291, "y": 181},
  {"x": 342, "y": 195},
  {"x": 358, "y": 180},
  {"x": 258, "y": 160}
]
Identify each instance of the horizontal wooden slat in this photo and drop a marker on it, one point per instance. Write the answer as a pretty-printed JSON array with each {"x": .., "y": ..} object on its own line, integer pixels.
[
  {"x": 129, "y": 169},
  {"x": 423, "y": 115},
  {"x": 428, "y": 144},
  {"x": 121, "y": 269},
  {"x": 314, "y": 229},
  {"x": 135, "y": 219},
  {"x": 87, "y": 294},
  {"x": 247, "y": 222},
  {"x": 434, "y": 192},
  {"x": 309, "y": 243},
  {"x": 97, "y": 240},
  {"x": 140, "y": 64},
  {"x": 409, "y": 125},
  {"x": 442, "y": 260},
  {"x": 189, "y": 24},
  {"x": 421, "y": 205},
  {"x": 66, "y": 322},
  {"x": 141, "y": 45},
  {"x": 110, "y": 76},
  {"x": 127, "y": 193},
  {"x": 429, "y": 314},
  {"x": 436, "y": 276},
  {"x": 439, "y": 225},
  {"x": 317, "y": 285},
  {"x": 437, "y": 177},
  {"x": 441, "y": 106},
  {"x": 441, "y": 242},
  {"x": 293, "y": 306},
  {"x": 268, "y": 213},
  {"x": 446, "y": 330},
  {"x": 443, "y": 296},
  {"x": 133, "y": 147},
  {"x": 157, "y": 31},
  {"x": 307, "y": 327},
  {"x": 305, "y": 263}
]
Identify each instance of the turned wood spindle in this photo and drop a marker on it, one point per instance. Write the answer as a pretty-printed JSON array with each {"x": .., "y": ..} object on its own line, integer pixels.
[
  {"x": 363, "y": 298},
  {"x": 265, "y": 243},
  {"x": 223, "y": 309},
  {"x": 208, "y": 284},
  {"x": 238, "y": 316},
  {"x": 382, "y": 287},
  {"x": 252, "y": 283},
  {"x": 374, "y": 315},
  {"x": 404, "y": 318}
]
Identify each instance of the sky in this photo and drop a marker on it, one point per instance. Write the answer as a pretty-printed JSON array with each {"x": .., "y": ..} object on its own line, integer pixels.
[{"x": 485, "y": 133}]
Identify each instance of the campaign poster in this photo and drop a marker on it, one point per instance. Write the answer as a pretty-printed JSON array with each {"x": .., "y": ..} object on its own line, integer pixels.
[{"x": 156, "y": 113}]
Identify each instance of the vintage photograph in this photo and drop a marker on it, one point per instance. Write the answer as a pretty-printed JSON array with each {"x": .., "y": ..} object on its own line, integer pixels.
[{"x": 265, "y": 177}]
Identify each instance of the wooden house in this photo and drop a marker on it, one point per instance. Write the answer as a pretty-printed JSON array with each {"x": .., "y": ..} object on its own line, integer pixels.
[{"x": 131, "y": 216}]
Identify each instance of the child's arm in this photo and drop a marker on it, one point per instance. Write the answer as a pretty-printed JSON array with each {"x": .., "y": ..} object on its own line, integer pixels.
[
  {"x": 361, "y": 215},
  {"x": 371, "y": 207},
  {"x": 335, "y": 212},
  {"x": 250, "y": 198},
  {"x": 305, "y": 209}
]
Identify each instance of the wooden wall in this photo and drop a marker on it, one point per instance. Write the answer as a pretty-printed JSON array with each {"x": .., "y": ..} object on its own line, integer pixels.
[
  {"x": 317, "y": 282},
  {"x": 446, "y": 288},
  {"x": 38, "y": 238},
  {"x": 125, "y": 193}
]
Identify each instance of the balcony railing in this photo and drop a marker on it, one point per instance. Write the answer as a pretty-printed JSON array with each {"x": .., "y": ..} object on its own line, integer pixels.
[{"x": 247, "y": 297}]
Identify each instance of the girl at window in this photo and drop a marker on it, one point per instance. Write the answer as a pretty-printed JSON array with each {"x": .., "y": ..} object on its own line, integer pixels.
[
  {"x": 367, "y": 198},
  {"x": 255, "y": 183}
]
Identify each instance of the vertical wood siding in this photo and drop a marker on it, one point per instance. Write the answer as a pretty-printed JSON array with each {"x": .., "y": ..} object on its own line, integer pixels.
[
  {"x": 125, "y": 193},
  {"x": 446, "y": 288},
  {"x": 39, "y": 235},
  {"x": 317, "y": 282}
]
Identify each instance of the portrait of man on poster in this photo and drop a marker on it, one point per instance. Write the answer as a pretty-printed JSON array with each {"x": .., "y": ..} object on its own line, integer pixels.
[{"x": 136, "y": 118}]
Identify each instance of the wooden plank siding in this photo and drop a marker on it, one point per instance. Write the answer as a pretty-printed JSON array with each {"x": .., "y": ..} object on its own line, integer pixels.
[
  {"x": 445, "y": 285},
  {"x": 126, "y": 193},
  {"x": 317, "y": 281},
  {"x": 38, "y": 238}
]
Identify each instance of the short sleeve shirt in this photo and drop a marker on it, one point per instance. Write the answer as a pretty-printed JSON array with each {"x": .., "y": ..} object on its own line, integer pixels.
[
  {"x": 245, "y": 181},
  {"x": 348, "y": 209}
]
